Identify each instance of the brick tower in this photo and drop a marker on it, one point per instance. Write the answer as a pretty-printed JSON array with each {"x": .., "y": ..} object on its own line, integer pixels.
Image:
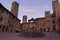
[
  {"x": 24, "y": 19},
  {"x": 14, "y": 9}
]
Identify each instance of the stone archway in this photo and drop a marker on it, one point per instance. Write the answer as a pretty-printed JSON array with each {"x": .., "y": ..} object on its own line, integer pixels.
[
  {"x": 47, "y": 29},
  {"x": 0, "y": 27},
  {"x": 41, "y": 29},
  {"x": 3, "y": 28},
  {"x": 44, "y": 29},
  {"x": 6, "y": 29},
  {"x": 54, "y": 29},
  {"x": 33, "y": 29}
]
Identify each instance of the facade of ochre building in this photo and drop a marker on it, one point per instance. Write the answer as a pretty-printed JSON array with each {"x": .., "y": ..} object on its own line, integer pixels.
[{"x": 9, "y": 21}]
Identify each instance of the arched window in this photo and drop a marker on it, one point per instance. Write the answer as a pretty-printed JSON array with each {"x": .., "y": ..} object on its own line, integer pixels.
[{"x": 33, "y": 27}]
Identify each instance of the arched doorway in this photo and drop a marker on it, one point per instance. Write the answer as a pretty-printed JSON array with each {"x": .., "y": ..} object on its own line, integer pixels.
[
  {"x": 44, "y": 29},
  {"x": 41, "y": 29},
  {"x": 54, "y": 29},
  {"x": 6, "y": 29},
  {"x": 47, "y": 29},
  {"x": 3, "y": 28},
  {"x": 33, "y": 29},
  {"x": 0, "y": 27}
]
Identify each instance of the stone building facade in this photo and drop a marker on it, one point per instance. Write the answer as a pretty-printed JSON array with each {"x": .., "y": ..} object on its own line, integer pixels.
[
  {"x": 10, "y": 23},
  {"x": 8, "y": 20},
  {"x": 49, "y": 23}
]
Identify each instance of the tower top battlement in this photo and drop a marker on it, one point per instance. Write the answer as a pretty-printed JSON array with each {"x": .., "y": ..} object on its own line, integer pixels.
[
  {"x": 15, "y": 2},
  {"x": 55, "y": 0}
]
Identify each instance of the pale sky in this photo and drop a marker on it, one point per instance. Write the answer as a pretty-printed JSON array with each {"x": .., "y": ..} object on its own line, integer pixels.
[{"x": 31, "y": 8}]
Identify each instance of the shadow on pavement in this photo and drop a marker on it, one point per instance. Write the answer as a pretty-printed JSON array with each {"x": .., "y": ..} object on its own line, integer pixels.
[{"x": 32, "y": 35}]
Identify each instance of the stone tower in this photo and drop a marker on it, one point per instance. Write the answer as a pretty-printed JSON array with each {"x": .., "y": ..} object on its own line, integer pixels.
[
  {"x": 56, "y": 12},
  {"x": 14, "y": 9},
  {"x": 24, "y": 19},
  {"x": 55, "y": 4},
  {"x": 48, "y": 21}
]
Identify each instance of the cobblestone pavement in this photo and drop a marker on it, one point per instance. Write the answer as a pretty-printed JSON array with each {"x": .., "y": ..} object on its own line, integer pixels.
[{"x": 18, "y": 36}]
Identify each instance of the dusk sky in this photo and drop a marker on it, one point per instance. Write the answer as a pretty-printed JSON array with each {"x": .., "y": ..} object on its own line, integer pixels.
[{"x": 31, "y": 8}]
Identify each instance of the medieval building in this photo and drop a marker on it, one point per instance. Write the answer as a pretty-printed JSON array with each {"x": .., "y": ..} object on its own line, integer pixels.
[
  {"x": 9, "y": 21},
  {"x": 49, "y": 23}
]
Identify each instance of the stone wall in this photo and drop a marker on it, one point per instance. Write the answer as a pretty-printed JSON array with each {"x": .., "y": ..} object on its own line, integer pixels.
[{"x": 8, "y": 22}]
